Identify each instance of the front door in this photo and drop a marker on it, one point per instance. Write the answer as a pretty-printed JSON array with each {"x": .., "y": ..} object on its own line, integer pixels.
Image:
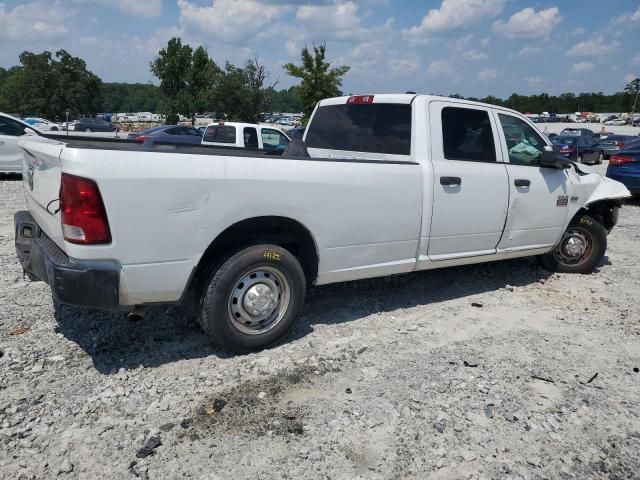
[
  {"x": 538, "y": 198},
  {"x": 471, "y": 191},
  {"x": 10, "y": 153}
]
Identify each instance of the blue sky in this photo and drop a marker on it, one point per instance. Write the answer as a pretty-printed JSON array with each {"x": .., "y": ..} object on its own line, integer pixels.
[{"x": 471, "y": 47}]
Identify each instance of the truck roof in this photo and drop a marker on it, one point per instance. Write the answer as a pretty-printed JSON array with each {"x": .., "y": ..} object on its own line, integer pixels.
[{"x": 404, "y": 98}]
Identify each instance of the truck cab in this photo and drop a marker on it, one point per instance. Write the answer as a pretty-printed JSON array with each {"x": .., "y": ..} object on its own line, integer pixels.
[{"x": 245, "y": 135}]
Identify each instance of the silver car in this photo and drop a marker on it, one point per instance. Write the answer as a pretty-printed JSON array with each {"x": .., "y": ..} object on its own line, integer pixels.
[{"x": 10, "y": 154}]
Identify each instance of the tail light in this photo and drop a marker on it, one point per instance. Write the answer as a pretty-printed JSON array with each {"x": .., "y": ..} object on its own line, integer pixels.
[
  {"x": 360, "y": 100},
  {"x": 566, "y": 150},
  {"x": 618, "y": 144},
  {"x": 140, "y": 138},
  {"x": 617, "y": 160},
  {"x": 84, "y": 219}
]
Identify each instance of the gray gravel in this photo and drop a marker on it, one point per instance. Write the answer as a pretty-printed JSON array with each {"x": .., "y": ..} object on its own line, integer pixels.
[{"x": 389, "y": 378}]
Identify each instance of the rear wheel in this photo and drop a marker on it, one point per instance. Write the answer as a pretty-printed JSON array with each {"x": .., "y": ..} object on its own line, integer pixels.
[
  {"x": 252, "y": 300},
  {"x": 580, "y": 250}
]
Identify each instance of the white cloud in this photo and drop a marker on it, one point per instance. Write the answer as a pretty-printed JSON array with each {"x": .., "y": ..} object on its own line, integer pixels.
[
  {"x": 487, "y": 74},
  {"x": 636, "y": 60},
  {"x": 579, "y": 31},
  {"x": 439, "y": 67},
  {"x": 530, "y": 51},
  {"x": 453, "y": 14},
  {"x": 136, "y": 8},
  {"x": 229, "y": 20},
  {"x": 527, "y": 23},
  {"x": 593, "y": 48},
  {"x": 405, "y": 65},
  {"x": 636, "y": 16},
  {"x": 582, "y": 67},
  {"x": 474, "y": 55},
  {"x": 533, "y": 80},
  {"x": 42, "y": 19},
  {"x": 630, "y": 77}
]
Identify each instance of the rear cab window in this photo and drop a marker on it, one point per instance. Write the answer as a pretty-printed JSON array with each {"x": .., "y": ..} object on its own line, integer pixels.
[
  {"x": 220, "y": 134},
  {"x": 381, "y": 128},
  {"x": 467, "y": 135}
]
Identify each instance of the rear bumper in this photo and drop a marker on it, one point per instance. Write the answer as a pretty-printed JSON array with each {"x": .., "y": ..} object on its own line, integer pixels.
[{"x": 72, "y": 283}]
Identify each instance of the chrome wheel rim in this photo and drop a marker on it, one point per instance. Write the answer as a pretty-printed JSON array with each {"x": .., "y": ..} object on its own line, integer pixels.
[
  {"x": 575, "y": 247},
  {"x": 259, "y": 300}
]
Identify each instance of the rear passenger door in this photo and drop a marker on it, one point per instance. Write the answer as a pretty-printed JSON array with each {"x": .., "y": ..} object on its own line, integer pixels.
[
  {"x": 538, "y": 196},
  {"x": 471, "y": 192}
]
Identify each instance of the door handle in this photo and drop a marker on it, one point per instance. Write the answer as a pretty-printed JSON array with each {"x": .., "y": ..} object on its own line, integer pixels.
[
  {"x": 521, "y": 182},
  {"x": 450, "y": 181}
]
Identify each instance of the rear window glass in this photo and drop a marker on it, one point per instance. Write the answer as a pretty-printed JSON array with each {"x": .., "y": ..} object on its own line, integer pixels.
[
  {"x": 563, "y": 140},
  {"x": 371, "y": 128},
  {"x": 467, "y": 135},
  {"x": 220, "y": 134}
]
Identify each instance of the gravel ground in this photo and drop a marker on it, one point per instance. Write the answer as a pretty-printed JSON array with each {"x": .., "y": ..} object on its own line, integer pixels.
[{"x": 488, "y": 371}]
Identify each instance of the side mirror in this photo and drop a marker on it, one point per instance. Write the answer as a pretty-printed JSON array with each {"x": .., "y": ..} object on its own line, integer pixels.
[{"x": 550, "y": 159}]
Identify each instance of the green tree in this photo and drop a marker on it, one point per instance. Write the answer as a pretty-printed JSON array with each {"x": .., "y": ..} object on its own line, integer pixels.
[
  {"x": 318, "y": 79},
  {"x": 229, "y": 96},
  {"x": 257, "y": 97},
  {"x": 202, "y": 78},
  {"x": 49, "y": 86},
  {"x": 172, "y": 67}
]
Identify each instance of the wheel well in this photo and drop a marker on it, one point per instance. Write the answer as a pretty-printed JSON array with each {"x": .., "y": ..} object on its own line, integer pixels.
[
  {"x": 603, "y": 211},
  {"x": 281, "y": 231}
]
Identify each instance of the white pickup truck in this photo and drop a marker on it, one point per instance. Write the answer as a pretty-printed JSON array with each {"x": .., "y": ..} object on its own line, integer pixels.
[
  {"x": 245, "y": 135},
  {"x": 391, "y": 184}
]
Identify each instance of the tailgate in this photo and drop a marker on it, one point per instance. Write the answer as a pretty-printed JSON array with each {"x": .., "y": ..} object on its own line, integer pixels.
[{"x": 41, "y": 179}]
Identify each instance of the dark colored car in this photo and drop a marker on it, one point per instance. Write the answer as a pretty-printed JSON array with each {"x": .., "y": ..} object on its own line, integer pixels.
[
  {"x": 578, "y": 132},
  {"x": 170, "y": 134},
  {"x": 578, "y": 148},
  {"x": 625, "y": 166},
  {"x": 93, "y": 125},
  {"x": 296, "y": 133},
  {"x": 612, "y": 144}
]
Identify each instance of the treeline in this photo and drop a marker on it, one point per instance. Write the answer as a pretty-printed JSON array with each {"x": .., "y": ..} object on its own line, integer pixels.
[
  {"x": 567, "y": 102},
  {"x": 49, "y": 85}
]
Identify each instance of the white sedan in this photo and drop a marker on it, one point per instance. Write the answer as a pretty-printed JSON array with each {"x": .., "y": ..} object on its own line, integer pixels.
[{"x": 10, "y": 154}]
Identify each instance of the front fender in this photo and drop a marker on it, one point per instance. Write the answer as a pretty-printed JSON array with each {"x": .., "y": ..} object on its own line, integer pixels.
[{"x": 608, "y": 189}]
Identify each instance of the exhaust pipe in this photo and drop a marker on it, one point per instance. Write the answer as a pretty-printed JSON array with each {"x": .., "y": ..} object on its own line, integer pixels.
[{"x": 137, "y": 313}]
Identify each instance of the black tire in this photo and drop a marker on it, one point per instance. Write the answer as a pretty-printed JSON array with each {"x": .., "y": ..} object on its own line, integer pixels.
[
  {"x": 225, "y": 318},
  {"x": 584, "y": 229}
]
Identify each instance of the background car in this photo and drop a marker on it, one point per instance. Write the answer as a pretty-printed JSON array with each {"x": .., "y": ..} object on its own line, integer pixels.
[
  {"x": 578, "y": 148},
  {"x": 296, "y": 133},
  {"x": 624, "y": 166},
  {"x": 578, "y": 131},
  {"x": 169, "y": 133},
  {"x": 93, "y": 125},
  {"x": 10, "y": 154},
  {"x": 612, "y": 144},
  {"x": 42, "y": 124}
]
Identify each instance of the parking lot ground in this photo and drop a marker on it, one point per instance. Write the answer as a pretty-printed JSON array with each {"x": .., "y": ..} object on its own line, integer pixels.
[{"x": 499, "y": 370}]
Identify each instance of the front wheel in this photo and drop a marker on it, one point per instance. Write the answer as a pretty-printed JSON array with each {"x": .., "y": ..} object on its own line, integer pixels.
[
  {"x": 580, "y": 250},
  {"x": 252, "y": 300}
]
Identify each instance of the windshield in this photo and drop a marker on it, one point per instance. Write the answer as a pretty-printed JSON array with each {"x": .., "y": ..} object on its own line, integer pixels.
[{"x": 563, "y": 140}]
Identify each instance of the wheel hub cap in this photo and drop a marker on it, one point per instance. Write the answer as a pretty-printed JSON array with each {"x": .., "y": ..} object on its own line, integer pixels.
[
  {"x": 260, "y": 299},
  {"x": 574, "y": 246}
]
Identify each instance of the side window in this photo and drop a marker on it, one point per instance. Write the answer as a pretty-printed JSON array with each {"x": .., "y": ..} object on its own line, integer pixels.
[
  {"x": 173, "y": 131},
  {"x": 11, "y": 128},
  {"x": 467, "y": 135},
  {"x": 273, "y": 139},
  {"x": 524, "y": 145},
  {"x": 250, "y": 137},
  {"x": 220, "y": 134}
]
